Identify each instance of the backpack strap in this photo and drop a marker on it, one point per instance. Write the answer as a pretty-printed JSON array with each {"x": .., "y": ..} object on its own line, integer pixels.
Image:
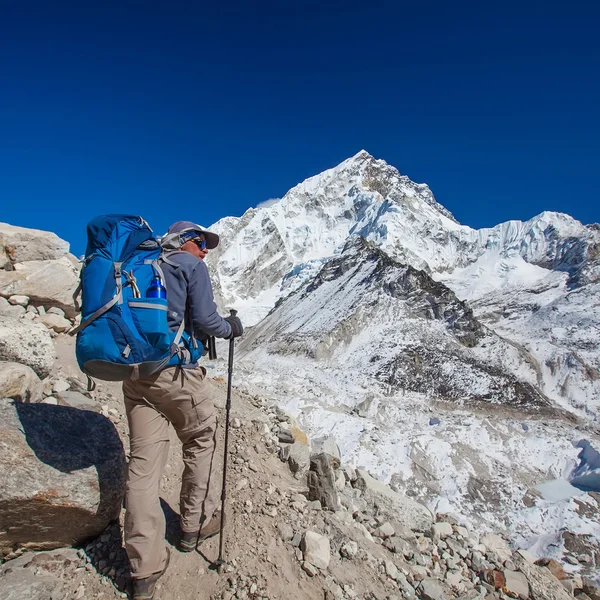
[{"x": 118, "y": 297}]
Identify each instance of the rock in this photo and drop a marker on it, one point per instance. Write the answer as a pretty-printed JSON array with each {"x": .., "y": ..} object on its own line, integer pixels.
[
  {"x": 54, "y": 310},
  {"x": 441, "y": 530},
  {"x": 19, "y": 300},
  {"x": 55, "y": 322},
  {"x": 285, "y": 531},
  {"x": 298, "y": 459},
  {"x": 434, "y": 421},
  {"x": 18, "y": 581},
  {"x": 553, "y": 566},
  {"x": 497, "y": 545},
  {"x": 431, "y": 589},
  {"x": 591, "y": 588},
  {"x": 515, "y": 584},
  {"x": 10, "y": 310},
  {"x": 23, "y": 244},
  {"x": 286, "y": 436},
  {"x": 542, "y": 584},
  {"x": 4, "y": 260},
  {"x": 385, "y": 530},
  {"x": 391, "y": 570},
  {"x": 62, "y": 475},
  {"x": 78, "y": 400},
  {"x": 328, "y": 445},
  {"x": 309, "y": 569},
  {"x": 47, "y": 282},
  {"x": 349, "y": 549},
  {"x": 406, "y": 511},
  {"x": 60, "y": 385},
  {"x": 340, "y": 481},
  {"x": 26, "y": 343},
  {"x": 315, "y": 548},
  {"x": 19, "y": 382},
  {"x": 349, "y": 473},
  {"x": 321, "y": 482},
  {"x": 236, "y": 423}
]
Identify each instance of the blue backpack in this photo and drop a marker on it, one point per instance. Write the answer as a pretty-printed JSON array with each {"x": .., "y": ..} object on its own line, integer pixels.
[{"x": 124, "y": 334}]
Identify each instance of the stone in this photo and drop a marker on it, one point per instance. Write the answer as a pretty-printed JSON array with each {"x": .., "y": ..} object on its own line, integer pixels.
[
  {"x": 308, "y": 568},
  {"x": 62, "y": 475},
  {"x": 54, "y": 310},
  {"x": 77, "y": 400},
  {"x": 349, "y": 473},
  {"x": 391, "y": 570},
  {"x": 542, "y": 584},
  {"x": 321, "y": 482},
  {"x": 406, "y": 511},
  {"x": 285, "y": 531},
  {"x": 315, "y": 549},
  {"x": 20, "y": 382},
  {"x": 497, "y": 545},
  {"x": 19, "y": 580},
  {"x": 298, "y": 459},
  {"x": 60, "y": 385},
  {"x": 19, "y": 300},
  {"x": 10, "y": 310},
  {"x": 553, "y": 566},
  {"x": 23, "y": 244},
  {"x": 515, "y": 584},
  {"x": 441, "y": 530},
  {"x": 26, "y": 343},
  {"x": 236, "y": 423},
  {"x": 349, "y": 549},
  {"x": 340, "y": 481},
  {"x": 384, "y": 531},
  {"x": 591, "y": 588},
  {"x": 431, "y": 589},
  {"x": 55, "y": 322},
  {"x": 286, "y": 436},
  {"x": 47, "y": 282},
  {"x": 328, "y": 445}
]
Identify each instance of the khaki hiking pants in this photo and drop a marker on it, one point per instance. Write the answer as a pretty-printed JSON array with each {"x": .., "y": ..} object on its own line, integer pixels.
[{"x": 151, "y": 405}]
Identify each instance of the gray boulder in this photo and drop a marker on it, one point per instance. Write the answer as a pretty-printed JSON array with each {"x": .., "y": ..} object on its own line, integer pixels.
[
  {"x": 26, "y": 343},
  {"x": 328, "y": 445},
  {"x": 321, "y": 482},
  {"x": 542, "y": 584},
  {"x": 392, "y": 505},
  {"x": 62, "y": 474},
  {"x": 22, "y": 244},
  {"x": 19, "y": 382},
  {"x": 10, "y": 310},
  {"x": 78, "y": 400},
  {"x": 46, "y": 282}
]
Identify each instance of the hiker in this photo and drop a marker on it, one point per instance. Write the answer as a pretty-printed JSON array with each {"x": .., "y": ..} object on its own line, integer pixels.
[{"x": 177, "y": 395}]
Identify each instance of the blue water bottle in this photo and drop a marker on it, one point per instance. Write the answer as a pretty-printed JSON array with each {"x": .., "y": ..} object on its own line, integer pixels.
[{"x": 156, "y": 289}]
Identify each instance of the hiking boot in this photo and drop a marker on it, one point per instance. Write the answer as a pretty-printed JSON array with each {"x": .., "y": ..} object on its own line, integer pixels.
[
  {"x": 211, "y": 528},
  {"x": 143, "y": 589},
  {"x": 188, "y": 541}
]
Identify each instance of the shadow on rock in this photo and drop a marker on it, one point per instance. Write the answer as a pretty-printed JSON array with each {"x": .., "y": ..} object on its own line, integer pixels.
[{"x": 70, "y": 488}]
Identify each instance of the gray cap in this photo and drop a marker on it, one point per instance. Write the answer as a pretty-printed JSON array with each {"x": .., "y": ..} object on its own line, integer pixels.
[{"x": 183, "y": 227}]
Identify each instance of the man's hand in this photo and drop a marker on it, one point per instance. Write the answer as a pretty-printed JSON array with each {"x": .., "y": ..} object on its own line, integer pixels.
[{"x": 236, "y": 326}]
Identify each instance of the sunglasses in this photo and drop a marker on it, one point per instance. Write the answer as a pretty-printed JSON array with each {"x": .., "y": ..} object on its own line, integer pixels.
[{"x": 200, "y": 243}]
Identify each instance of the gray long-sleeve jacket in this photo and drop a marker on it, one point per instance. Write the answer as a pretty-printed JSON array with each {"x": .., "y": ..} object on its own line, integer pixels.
[{"x": 190, "y": 293}]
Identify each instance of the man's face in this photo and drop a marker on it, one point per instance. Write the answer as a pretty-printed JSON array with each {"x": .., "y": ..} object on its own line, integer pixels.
[{"x": 196, "y": 246}]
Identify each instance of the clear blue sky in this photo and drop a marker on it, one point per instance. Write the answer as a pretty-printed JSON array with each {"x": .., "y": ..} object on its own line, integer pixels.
[{"x": 184, "y": 110}]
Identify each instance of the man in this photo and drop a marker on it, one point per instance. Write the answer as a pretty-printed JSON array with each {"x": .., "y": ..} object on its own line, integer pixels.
[{"x": 180, "y": 397}]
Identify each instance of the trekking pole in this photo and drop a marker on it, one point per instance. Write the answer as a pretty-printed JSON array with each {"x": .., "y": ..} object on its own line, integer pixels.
[{"x": 219, "y": 563}]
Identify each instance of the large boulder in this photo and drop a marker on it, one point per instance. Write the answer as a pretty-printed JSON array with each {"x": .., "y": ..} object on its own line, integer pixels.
[
  {"x": 62, "y": 475},
  {"x": 27, "y": 343},
  {"x": 46, "y": 282},
  {"x": 10, "y": 310},
  {"x": 19, "y": 382},
  {"x": 402, "y": 509},
  {"x": 21, "y": 244}
]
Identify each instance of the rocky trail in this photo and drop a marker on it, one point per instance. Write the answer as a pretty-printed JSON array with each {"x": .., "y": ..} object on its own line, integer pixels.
[{"x": 282, "y": 538}]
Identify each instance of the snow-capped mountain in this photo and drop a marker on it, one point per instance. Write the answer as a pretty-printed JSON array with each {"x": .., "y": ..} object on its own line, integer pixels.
[
  {"x": 513, "y": 274},
  {"x": 462, "y": 366}
]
